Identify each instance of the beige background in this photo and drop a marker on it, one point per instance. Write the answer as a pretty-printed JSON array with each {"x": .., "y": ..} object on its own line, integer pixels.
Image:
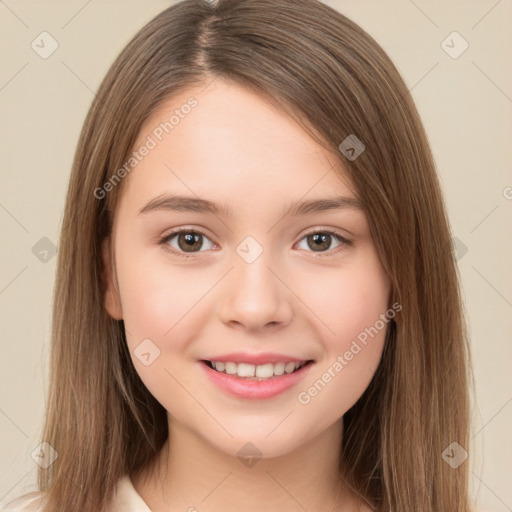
[{"x": 466, "y": 105}]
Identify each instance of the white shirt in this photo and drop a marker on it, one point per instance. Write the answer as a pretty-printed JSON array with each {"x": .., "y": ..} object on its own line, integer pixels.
[{"x": 126, "y": 499}]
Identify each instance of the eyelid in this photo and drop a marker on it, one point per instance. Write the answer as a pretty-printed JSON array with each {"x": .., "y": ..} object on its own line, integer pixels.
[{"x": 185, "y": 229}]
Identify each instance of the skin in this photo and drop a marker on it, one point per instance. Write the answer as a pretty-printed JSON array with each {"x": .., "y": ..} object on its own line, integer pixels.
[{"x": 236, "y": 147}]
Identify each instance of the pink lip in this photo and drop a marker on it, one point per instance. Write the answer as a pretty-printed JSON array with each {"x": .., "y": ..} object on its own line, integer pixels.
[
  {"x": 255, "y": 389},
  {"x": 262, "y": 358}
]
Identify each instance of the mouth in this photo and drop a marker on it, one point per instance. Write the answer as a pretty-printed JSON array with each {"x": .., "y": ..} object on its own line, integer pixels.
[{"x": 256, "y": 372}]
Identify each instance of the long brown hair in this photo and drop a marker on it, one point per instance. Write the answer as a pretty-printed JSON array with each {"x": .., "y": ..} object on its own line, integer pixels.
[{"x": 330, "y": 75}]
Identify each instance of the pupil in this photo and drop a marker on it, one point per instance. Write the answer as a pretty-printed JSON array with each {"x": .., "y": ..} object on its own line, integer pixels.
[
  {"x": 321, "y": 238},
  {"x": 190, "y": 240}
]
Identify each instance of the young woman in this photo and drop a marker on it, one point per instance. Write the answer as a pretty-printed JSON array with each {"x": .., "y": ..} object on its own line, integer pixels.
[{"x": 257, "y": 301}]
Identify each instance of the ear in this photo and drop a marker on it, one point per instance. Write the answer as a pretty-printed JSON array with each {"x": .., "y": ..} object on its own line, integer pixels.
[{"x": 112, "y": 299}]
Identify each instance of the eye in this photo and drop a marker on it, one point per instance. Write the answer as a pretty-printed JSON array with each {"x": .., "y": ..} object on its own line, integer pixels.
[
  {"x": 188, "y": 241},
  {"x": 320, "y": 241}
]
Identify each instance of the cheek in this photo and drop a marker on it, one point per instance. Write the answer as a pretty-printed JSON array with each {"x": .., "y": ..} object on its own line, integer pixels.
[
  {"x": 156, "y": 297},
  {"x": 356, "y": 312},
  {"x": 159, "y": 304},
  {"x": 349, "y": 300}
]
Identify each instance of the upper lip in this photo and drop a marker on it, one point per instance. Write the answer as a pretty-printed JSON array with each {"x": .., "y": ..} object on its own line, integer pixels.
[{"x": 256, "y": 359}]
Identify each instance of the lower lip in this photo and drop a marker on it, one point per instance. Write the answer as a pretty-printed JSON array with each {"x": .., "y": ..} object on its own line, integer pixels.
[{"x": 256, "y": 389}]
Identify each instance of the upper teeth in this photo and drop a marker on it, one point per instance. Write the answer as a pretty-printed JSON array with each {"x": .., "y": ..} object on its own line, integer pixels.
[{"x": 263, "y": 371}]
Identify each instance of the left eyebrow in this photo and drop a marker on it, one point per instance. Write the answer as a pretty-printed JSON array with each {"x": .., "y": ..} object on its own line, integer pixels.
[
  {"x": 320, "y": 205},
  {"x": 295, "y": 208}
]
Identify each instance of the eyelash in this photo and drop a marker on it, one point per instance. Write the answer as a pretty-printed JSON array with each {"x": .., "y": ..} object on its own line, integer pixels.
[{"x": 164, "y": 241}]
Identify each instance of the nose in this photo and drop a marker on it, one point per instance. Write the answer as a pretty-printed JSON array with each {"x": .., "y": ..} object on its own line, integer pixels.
[{"x": 255, "y": 296}]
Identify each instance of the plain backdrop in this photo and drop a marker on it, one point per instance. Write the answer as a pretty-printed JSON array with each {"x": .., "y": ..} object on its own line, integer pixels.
[{"x": 464, "y": 98}]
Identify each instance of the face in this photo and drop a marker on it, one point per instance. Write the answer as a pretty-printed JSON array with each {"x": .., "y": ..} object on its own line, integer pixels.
[{"x": 252, "y": 281}]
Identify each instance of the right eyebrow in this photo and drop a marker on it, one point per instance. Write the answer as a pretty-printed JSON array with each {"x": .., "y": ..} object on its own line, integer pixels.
[{"x": 186, "y": 204}]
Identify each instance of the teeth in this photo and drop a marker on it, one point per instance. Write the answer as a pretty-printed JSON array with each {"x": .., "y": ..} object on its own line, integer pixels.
[
  {"x": 279, "y": 369},
  {"x": 289, "y": 367},
  {"x": 264, "y": 371},
  {"x": 256, "y": 372},
  {"x": 246, "y": 370},
  {"x": 231, "y": 368}
]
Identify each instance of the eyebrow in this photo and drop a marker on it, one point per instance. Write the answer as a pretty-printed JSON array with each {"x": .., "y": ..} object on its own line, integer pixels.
[{"x": 179, "y": 203}]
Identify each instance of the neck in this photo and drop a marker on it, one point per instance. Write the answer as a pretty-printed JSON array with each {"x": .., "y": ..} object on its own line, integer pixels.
[{"x": 191, "y": 474}]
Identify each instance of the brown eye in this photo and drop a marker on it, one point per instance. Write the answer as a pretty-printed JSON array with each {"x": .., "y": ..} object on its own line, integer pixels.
[
  {"x": 188, "y": 241},
  {"x": 321, "y": 241}
]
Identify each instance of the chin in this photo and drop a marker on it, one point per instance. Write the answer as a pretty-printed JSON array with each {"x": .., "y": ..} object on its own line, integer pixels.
[{"x": 258, "y": 444}]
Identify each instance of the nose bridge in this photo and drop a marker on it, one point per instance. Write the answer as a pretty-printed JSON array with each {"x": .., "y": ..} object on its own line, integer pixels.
[{"x": 253, "y": 295}]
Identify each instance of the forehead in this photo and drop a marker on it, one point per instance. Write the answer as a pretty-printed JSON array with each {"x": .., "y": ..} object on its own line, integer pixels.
[{"x": 228, "y": 141}]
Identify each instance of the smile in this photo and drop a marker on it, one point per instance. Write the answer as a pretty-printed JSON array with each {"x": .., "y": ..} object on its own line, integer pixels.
[
  {"x": 256, "y": 372},
  {"x": 251, "y": 381}
]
